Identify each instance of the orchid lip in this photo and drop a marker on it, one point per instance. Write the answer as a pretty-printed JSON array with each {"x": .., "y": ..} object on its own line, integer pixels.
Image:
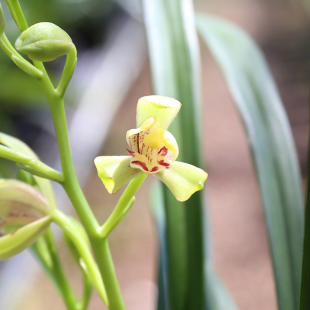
[{"x": 147, "y": 147}]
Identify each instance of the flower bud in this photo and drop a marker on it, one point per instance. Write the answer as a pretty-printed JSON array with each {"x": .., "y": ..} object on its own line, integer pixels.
[
  {"x": 44, "y": 42},
  {"x": 24, "y": 216},
  {"x": 2, "y": 21}
]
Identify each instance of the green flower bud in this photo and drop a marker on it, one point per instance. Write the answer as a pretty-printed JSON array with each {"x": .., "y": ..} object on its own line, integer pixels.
[
  {"x": 2, "y": 21},
  {"x": 44, "y": 42},
  {"x": 24, "y": 217}
]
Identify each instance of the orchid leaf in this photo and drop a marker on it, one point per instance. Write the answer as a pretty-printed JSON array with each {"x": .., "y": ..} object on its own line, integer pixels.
[
  {"x": 274, "y": 154},
  {"x": 175, "y": 68}
]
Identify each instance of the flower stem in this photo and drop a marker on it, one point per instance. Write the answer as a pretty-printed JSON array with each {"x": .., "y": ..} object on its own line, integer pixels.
[
  {"x": 77, "y": 198},
  {"x": 123, "y": 205},
  {"x": 70, "y": 182},
  {"x": 66, "y": 290},
  {"x": 84, "y": 252},
  {"x": 87, "y": 292},
  {"x": 55, "y": 271},
  {"x": 105, "y": 263}
]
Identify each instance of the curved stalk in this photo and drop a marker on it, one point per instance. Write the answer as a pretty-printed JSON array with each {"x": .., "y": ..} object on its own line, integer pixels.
[
  {"x": 83, "y": 250},
  {"x": 123, "y": 206},
  {"x": 56, "y": 273}
]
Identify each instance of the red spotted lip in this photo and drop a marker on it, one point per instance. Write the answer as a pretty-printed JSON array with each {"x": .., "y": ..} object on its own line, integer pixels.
[
  {"x": 140, "y": 163},
  {"x": 162, "y": 163}
]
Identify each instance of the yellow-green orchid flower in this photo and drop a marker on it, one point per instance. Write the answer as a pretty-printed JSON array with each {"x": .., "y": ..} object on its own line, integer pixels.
[
  {"x": 152, "y": 150},
  {"x": 24, "y": 216}
]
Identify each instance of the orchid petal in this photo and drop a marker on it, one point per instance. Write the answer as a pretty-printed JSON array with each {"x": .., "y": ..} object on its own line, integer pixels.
[
  {"x": 164, "y": 109},
  {"x": 115, "y": 171},
  {"x": 20, "y": 204},
  {"x": 183, "y": 179},
  {"x": 22, "y": 238}
]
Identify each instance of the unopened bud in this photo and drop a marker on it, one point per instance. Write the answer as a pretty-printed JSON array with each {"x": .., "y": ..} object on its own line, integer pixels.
[
  {"x": 24, "y": 217},
  {"x": 44, "y": 42}
]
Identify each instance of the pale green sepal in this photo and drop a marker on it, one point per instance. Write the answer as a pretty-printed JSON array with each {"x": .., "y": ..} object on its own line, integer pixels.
[
  {"x": 96, "y": 281},
  {"x": 115, "y": 171},
  {"x": 44, "y": 42},
  {"x": 27, "y": 67},
  {"x": 20, "y": 204},
  {"x": 23, "y": 238},
  {"x": 17, "y": 145},
  {"x": 183, "y": 179},
  {"x": 164, "y": 109},
  {"x": 44, "y": 251},
  {"x": 70, "y": 244},
  {"x": 2, "y": 21}
]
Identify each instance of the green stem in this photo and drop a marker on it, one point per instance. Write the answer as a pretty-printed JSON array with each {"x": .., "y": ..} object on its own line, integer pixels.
[
  {"x": 65, "y": 288},
  {"x": 87, "y": 291},
  {"x": 123, "y": 205},
  {"x": 70, "y": 183},
  {"x": 67, "y": 72},
  {"x": 84, "y": 251},
  {"x": 56, "y": 273},
  {"x": 105, "y": 263},
  {"x": 37, "y": 166},
  {"x": 76, "y": 195},
  {"x": 17, "y": 14}
]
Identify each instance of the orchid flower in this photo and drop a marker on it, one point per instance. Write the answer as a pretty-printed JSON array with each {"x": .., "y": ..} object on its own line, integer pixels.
[
  {"x": 24, "y": 216},
  {"x": 152, "y": 150}
]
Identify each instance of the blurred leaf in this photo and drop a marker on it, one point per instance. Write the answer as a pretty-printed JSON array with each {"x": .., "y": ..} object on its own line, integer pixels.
[
  {"x": 16, "y": 87},
  {"x": 174, "y": 57},
  {"x": 271, "y": 142},
  {"x": 158, "y": 208}
]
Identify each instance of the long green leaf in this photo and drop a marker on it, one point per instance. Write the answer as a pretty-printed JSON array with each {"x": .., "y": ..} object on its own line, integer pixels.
[
  {"x": 173, "y": 51},
  {"x": 160, "y": 218},
  {"x": 259, "y": 104}
]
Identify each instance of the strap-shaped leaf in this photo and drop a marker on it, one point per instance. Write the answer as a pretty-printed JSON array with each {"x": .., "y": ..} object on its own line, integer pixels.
[
  {"x": 17, "y": 145},
  {"x": 174, "y": 57},
  {"x": 259, "y": 104}
]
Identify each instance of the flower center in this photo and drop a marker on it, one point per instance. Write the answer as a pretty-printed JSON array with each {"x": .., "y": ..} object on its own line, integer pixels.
[{"x": 152, "y": 149}]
